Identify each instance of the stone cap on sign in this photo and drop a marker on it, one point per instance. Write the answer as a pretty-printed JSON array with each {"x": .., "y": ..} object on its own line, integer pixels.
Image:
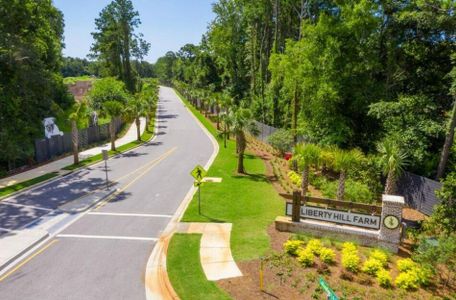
[{"x": 398, "y": 200}]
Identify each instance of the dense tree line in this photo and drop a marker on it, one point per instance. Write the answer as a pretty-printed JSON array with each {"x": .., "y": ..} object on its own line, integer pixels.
[
  {"x": 349, "y": 73},
  {"x": 75, "y": 67},
  {"x": 31, "y": 87}
]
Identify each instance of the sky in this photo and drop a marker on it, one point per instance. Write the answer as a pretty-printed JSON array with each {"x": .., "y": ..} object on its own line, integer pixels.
[{"x": 166, "y": 24}]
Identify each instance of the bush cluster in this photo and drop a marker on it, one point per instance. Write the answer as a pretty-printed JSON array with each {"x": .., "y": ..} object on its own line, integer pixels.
[
  {"x": 291, "y": 246},
  {"x": 327, "y": 255},
  {"x": 411, "y": 275},
  {"x": 306, "y": 255},
  {"x": 350, "y": 257},
  {"x": 295, "y": 178},
  {"x": 384, "y": 278}
]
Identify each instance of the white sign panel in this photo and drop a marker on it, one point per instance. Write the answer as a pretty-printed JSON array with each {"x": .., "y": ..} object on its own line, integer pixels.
[{"x": 337, "y": 216}]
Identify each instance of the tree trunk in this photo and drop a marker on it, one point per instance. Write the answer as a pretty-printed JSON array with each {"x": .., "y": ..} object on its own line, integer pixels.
[
  {"x": 217, "y": 110},
  {"x": 138, "y": 128},
  {"x": 112, "y": 131},
  {"x": 390, "y": 186},
  {"x": 240, "y": 141},
  {"x": 341, "y": 187},
  {"x": 305, "y": 180},
  {"x": 75, "y": 140},
  {"x": 225, "y": 136},
  {"x": 447, "y": 145},
  {"x": 294, "y": 125}
]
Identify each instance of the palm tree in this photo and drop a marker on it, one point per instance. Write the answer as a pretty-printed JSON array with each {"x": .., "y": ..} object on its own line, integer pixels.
[
  {"x": 113, "y": 109},
  {"x": 137, "y": 108},
  {"x": 241, "y": 121},
  {"x": 80, "y": 111},
  {"x": 343, "y": 162},
  {"x": 393, "y": 160},
  {"x": 308, "y": 155}
]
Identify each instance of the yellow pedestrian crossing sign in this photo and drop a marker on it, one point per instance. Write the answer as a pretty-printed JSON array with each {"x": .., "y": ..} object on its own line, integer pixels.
[{"x": 198, "y": 173}]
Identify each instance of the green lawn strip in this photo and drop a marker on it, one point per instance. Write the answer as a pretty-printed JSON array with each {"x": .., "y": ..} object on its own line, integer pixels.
[
  {"x": 145, "y": 137},
  {"x": 249, "y": 202},
  {"x": 185, "y": 271},
  {"x": 22, "y": 185}
]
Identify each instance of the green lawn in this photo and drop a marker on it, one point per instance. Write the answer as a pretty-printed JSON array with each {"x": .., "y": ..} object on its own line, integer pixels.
[
  {"x": 145, "y": 137},
  {"x": 249, "y": 202},
  {"x": 185, "y": 272},
  {"x": 22, "y": 185}
]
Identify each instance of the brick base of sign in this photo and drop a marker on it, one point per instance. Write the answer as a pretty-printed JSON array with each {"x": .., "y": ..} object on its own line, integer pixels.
[{"x": 362, "y": 236}]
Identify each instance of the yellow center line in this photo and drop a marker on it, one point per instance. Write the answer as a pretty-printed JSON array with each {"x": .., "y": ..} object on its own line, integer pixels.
[
  {"x": 145, "y": 166},
  {"x": 27, "y": 260},
  {"x": 156, "y": 162}
]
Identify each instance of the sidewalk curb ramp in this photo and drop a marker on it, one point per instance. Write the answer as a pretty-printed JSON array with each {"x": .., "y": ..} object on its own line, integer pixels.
[{"x": 85, "y": 202}]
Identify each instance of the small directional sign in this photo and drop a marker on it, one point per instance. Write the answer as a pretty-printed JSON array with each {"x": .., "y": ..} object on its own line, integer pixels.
[{"x": 198, "y": 173}]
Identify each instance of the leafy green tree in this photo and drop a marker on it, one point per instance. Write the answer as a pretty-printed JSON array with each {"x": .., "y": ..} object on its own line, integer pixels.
[
  {"x": 344, "y": 161},
  {"x": 443, "y": 219},
  {"x": 79, "y": 112},
  {"x": 393, "y": 160},
  {"x": 113, "y": 109},
  {"x": 107, "y": 89},
  {"x": 308, "y": 155},
  {"x": 115, "y": 41},
  {"x": 413, "y": 122},
  {"x": 31, "y": 39}
]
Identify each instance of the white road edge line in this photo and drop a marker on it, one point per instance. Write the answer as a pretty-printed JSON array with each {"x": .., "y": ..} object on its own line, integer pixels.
[
  {"x": 106, "y": 237},
  {"x": 129, "y": 215},
  {"x": 27, "y": 206}
]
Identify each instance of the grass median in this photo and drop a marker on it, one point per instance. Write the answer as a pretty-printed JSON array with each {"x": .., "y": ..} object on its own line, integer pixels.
[
  {"x": 185, "y": 271},
  {"x": 25, "y": 184}
]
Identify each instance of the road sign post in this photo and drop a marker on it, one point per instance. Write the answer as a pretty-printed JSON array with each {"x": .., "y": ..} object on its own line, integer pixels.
[
  {"x": 198, "y": 173},
  {"x": 105, "y": 158}
]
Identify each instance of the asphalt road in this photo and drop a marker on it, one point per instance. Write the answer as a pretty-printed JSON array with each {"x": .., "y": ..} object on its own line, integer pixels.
[{"x": 103, "y": 253}]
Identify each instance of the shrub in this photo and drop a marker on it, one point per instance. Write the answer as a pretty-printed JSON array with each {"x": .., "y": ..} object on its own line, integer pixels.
[
  {"x": 384, "y": 278},
  {"x": 354, "y": 191},
  {"x": 295, "y": 178},
  {"x": 282, "y": 140},
  {"x": 327, "y": 255},
  {"x": 405, "y": 264},
  {"x": 379, "y": 255},
  {"x": 306, "y": 257},
  {"x": 291, "y": 246},
  {"x": 372, "y": 266},
  {"x": 315, "y": 246},
  {"x": 350, "y": 261},
  {"x": 349, "y": 247},
  {"x": 407, "y": 281}
]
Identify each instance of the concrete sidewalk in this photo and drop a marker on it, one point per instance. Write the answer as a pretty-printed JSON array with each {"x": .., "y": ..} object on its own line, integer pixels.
[
  {"x": 215, "y": 251},
  {"x": 57, "y": 165}
]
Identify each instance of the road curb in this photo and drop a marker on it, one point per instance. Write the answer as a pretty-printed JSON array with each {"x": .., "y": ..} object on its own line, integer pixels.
[{"x": 157, "y": 283}]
